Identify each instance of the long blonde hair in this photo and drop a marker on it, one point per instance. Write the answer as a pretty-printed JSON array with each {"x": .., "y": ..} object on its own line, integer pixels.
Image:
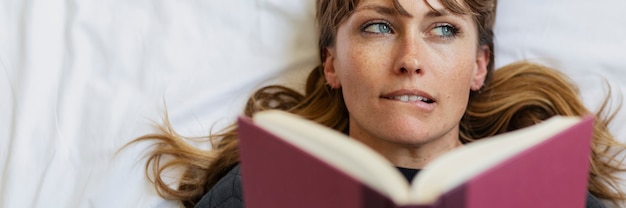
[
  {"x": 320, "y": 103},
  {"x": 522, "y": 94},
  {"x": 204, "y": 168}
]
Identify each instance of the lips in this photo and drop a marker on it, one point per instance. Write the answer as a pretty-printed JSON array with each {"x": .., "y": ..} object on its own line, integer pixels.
[{"x": 409, "y": 96}]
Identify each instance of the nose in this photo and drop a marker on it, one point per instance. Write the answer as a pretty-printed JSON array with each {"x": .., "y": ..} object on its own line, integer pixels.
[{"x": 409, "y": 57}]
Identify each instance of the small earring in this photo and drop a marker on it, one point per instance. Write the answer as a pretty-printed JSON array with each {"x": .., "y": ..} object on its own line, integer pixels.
[
  {"x": 332, "y": 86},
  {"x": 328, "y": 85},
  {"x": 480, "y": 89}
]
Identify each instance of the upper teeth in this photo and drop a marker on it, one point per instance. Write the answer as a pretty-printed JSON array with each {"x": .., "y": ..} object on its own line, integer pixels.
[{"x": 411, "y": 98}]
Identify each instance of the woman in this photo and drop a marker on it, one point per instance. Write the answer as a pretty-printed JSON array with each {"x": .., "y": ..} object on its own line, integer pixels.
[{"x": 396, "y": 75}]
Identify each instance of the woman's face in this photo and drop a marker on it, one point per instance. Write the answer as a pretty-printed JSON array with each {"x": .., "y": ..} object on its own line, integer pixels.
[{"x": 406, "y": 76}]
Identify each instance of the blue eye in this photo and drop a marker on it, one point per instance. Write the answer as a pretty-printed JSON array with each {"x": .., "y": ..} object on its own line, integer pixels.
[
  {"x": 446, "y": 31},
  {"x": 377, "y": 28}
]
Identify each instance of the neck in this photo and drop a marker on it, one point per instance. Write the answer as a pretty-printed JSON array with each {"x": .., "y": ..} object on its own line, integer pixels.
[{"x": 414, "y": 156}]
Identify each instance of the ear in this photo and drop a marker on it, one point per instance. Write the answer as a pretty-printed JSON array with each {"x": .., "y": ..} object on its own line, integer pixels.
[
  {"x": 480, "y": 72},
  {"x": 329, "y": 69}
]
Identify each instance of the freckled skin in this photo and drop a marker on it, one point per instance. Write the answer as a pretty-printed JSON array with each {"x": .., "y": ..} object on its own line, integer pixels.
[{"x": 367, "y": 64}]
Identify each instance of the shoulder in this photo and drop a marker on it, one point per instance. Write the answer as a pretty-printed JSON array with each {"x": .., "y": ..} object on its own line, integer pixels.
[
  {"x": 225, "y": 193},
  {"x": 593, "y": 202}
]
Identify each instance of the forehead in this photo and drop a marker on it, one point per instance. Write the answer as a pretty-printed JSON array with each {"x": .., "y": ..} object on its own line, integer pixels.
[
  {"x": 431, "y": 4},
  {"x": 456, "y": 7},
  {"x": 413, "y": 8}
]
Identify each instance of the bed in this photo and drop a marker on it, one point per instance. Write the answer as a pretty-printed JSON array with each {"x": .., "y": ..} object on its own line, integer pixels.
[{"x": 79, "y": 79}]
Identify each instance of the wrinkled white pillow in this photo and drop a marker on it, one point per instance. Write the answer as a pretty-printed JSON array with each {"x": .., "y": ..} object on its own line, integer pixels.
[{"x": 584, "y": 39}]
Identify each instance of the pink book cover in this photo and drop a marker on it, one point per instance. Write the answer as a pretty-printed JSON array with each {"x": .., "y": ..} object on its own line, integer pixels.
[
  {"x": 277, "y": 174},
  {"x": 551, "y": 174}
]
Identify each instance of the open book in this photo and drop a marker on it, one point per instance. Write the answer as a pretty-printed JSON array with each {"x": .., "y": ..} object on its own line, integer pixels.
[{"x": 288, "y": 161}]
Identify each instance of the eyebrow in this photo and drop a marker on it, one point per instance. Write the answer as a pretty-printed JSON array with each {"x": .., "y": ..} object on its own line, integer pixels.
[{"x": 437, "y": 13}]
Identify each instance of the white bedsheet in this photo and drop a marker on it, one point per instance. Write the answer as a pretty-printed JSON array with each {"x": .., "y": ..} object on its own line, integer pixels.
[{"x": 81, "y": 78}]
